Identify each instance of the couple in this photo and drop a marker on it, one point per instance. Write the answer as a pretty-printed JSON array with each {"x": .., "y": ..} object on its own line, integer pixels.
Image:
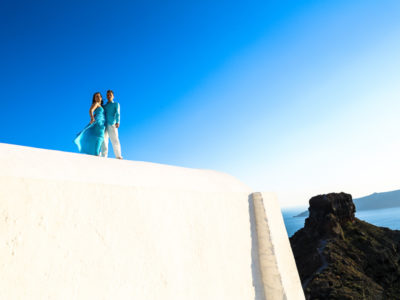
[{"x": 104, "y": 123}]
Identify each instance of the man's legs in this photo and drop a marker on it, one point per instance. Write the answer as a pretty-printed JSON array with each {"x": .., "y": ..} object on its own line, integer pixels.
[
  {"x": 113, "y": 132},
  {"x": 104, "y": 146}
]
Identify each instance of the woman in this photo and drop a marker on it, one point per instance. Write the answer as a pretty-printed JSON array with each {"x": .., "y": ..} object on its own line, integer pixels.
[{"x": 89, "y": 140}]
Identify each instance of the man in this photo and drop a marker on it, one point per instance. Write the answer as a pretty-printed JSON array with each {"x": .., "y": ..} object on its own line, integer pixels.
[{"x": 111, "y": 110}]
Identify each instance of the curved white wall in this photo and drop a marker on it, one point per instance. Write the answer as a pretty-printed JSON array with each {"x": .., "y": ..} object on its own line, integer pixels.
[{"x": 81, "y": 227}]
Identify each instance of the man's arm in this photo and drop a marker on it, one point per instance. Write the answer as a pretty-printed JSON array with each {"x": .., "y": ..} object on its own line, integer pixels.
[{"x": 117, "y": 116}]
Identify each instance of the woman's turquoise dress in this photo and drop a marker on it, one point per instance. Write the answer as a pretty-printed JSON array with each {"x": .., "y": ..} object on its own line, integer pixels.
[{"x": 89, "y": 140}]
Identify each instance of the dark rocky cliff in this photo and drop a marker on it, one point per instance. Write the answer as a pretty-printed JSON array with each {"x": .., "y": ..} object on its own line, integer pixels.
[
  {"x": 341, "y": 257},
  {"x": 373, "y": 201}
]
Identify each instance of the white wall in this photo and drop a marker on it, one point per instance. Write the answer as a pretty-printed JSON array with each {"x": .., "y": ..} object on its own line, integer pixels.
[
  {"x": 74, "y": 226},
  {"x": 277, "y": 265}
]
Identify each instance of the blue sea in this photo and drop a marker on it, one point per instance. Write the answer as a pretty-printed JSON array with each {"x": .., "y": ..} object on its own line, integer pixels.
[{"x": 387, "y": 217}]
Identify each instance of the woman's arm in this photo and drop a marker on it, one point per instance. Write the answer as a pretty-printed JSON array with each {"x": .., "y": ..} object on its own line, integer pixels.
[{"x": 91, "y": 110}]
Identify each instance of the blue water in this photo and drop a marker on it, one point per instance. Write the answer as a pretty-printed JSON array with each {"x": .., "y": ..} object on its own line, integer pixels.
[{"x": 387, "y": 217}]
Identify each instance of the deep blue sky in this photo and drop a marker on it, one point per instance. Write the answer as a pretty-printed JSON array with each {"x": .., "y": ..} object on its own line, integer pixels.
[
  {"x": 56, "y": 54},
  {"x": 296, "y": 97}
]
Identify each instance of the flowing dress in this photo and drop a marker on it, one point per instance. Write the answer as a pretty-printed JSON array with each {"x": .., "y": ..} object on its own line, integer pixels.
[{"x": 89, "y": 140}]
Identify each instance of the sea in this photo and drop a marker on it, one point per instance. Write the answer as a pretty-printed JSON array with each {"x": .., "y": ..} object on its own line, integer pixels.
[{"x": 386, "y": 217}]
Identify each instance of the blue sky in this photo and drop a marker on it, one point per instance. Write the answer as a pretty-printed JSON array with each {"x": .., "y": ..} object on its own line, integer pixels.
[{"x": 295, "y": 97}]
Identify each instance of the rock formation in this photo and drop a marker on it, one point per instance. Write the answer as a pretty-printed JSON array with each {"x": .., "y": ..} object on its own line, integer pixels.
[
  {"x": 341, "y": 257},
  {"x": 373, "y": 201}
]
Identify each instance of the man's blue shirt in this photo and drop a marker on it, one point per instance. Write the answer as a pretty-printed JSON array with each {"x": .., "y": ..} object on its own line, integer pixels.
[{"x": 111, "y": 110}]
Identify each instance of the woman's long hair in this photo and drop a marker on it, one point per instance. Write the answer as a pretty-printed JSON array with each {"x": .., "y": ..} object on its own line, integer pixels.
[{"x": 94, "y": 98}]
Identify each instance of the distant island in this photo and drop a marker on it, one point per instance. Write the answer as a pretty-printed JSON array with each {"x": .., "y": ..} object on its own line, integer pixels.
[
  {"x": 341, "y": 257},
  {"x": 373, "y": 201}
]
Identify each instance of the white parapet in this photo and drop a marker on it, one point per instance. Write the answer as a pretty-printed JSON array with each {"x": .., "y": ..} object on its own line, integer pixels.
[
  {"x": 277, "y": 265},
  {"x": 74, "y": 226}
]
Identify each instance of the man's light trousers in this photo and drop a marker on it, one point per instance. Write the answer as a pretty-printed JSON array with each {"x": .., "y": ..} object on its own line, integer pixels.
[{"x": 112, "y": 133}]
